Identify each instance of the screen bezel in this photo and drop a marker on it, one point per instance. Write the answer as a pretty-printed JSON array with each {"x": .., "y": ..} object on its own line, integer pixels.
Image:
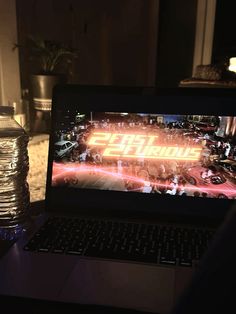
[{"x": 137, "y": 99}]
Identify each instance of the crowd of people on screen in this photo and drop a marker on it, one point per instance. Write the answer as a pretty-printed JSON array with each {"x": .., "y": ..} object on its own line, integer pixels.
[{"x": 152, "y": 176}]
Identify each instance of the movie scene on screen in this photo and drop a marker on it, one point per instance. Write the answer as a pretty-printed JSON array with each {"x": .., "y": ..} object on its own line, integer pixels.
[{"x": 182, "y": 155}]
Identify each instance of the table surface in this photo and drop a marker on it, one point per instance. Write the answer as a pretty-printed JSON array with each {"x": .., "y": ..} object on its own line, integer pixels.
[
  {"x": 36, "y": 208},
  {"x": 5, "y": 246},
  {"x": 29, "y": 306}
]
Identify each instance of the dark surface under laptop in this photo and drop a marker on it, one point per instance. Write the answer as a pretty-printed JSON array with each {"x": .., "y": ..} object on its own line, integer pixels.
[{"x": 105, "y": 282}]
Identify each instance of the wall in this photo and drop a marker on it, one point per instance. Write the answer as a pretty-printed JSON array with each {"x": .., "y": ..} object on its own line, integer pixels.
[
  {"x": 176, "y": 41},
  {"x": 9, "y": 63},
  {"x": 121, "y": 42},
  {"x": 224, "y": 37},
  {"x": 116, "y": 39}
]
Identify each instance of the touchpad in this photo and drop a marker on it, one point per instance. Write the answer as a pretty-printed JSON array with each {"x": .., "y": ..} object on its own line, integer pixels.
[{"x": 125, "y": 285}]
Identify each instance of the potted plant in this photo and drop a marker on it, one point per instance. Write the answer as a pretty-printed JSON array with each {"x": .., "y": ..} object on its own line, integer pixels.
[{"x": 52, "y": 59}]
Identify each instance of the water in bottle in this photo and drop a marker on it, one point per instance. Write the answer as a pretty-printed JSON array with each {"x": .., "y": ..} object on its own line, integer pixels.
[{"x": 14, "y": 166}]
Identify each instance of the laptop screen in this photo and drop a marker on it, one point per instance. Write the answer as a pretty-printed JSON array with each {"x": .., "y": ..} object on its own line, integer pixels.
[
  {"x": 178, "y": 155},
  {"x": 169, "y": 152}
]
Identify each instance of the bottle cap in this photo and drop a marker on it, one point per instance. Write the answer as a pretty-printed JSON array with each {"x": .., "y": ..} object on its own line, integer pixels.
[{"x": 6, "y": 110}]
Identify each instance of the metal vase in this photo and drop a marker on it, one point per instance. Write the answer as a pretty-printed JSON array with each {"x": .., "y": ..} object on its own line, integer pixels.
[{"x": 42, "y": 87}]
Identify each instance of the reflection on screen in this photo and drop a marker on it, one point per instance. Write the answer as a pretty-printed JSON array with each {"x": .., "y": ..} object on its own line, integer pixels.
[{"x": 185, "y": 155}]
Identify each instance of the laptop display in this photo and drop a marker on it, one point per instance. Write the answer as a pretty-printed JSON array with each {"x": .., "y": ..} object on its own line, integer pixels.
[
  {"x": 172, "y": 153},
  {"x": 179, "y": 155}
]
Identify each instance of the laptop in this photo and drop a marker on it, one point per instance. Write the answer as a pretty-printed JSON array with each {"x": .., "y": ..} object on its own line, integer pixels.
[{"x": 137, "y": 184}]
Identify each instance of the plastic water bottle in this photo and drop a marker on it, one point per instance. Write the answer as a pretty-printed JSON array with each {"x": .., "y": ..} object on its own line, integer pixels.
[{"x": 14, "y": 167}]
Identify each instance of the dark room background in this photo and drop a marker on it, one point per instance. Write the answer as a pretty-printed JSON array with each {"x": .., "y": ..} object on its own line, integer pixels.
[
  {"x": 124, "y": 42},
  {"x": 224, "y": 45}
]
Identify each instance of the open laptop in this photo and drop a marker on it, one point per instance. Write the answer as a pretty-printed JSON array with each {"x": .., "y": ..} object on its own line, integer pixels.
[{"x": 136, "y": 186}]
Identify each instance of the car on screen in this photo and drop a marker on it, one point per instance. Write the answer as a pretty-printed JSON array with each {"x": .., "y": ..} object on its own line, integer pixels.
[
  {"x": 206, "y": 127},
  {"x": 197, "y": 137},
  {"x": 228, "y": 166},
  {"x": 63, "y": 148},
  {"x": 216, "y": 184}
]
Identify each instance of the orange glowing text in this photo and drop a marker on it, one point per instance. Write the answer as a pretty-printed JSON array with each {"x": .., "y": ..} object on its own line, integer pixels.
[{"x": 140, "y": 146}]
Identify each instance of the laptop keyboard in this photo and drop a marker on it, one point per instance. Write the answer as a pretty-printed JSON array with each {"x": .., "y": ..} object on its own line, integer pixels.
[{"x": 158, "y": 244}]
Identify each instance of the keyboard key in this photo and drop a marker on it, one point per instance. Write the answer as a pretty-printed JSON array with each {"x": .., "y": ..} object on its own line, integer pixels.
[
  {"x": 167, "y": 261},
  {"x": 185, "y": 262}
]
